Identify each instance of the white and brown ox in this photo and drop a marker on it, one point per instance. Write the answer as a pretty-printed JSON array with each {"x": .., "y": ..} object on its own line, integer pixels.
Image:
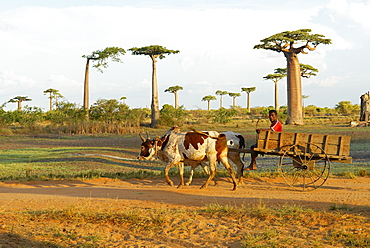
[
  {"x": 234, "y": 140},
  {"x": 176, "y": 148}
]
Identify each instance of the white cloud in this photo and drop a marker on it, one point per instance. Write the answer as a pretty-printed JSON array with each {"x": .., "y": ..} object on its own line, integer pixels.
[
  {"x": 11, "y": 79},
  {"x": 356, "y": 11},
  {"x": 330, "y": 81}
]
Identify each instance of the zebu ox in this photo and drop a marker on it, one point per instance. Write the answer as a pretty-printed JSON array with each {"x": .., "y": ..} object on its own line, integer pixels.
[
  {"x": 175, "y": 148},
  {"x": 234, "y": 140}
]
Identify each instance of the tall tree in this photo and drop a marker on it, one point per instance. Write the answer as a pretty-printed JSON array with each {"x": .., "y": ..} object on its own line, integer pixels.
[
  {"x": 234, "y": 96},
  {"x": 123, "y": 99},
  {"x": 292, "y": 43},
  {"x": 307, "y": 70},
  {"x": 174, "y": 90},
  {"x": 209, "y": 98},
  {"x": 154, "y": 52},
  {"x": 221, "y": 93},
  {"x": 53, "y": 94},
  {"x": 19, "y": 100},
  {"x": 100, "y": 57},
  {"x": 248, "y": 91},
  {"x": 276, "y": 77}
]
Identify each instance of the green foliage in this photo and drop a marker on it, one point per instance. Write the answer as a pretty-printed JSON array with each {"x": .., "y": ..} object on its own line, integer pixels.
[
  {"x": 66, "y": 112},
  {"x": 249, "y": 89},
  {"x": 108, "y": 110},
  {"x": 209, "y": 98},
  {"x": 101, "y": 56},
  {"x": 173, "y": 89},
  {"x": 347, "y": 108},
  {"x": 170, "y": 116},
  {"x": 285, "y": 41},
  {"x": 154, "y": 51},
  {"x": 223, "y": 115}
]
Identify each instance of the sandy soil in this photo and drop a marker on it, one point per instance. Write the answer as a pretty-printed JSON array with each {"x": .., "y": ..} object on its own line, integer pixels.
[{"x": 155, "y": 193}]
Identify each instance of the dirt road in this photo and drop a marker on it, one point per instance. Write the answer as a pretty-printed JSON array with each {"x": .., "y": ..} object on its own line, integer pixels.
[{"x": 351, "y": 192}]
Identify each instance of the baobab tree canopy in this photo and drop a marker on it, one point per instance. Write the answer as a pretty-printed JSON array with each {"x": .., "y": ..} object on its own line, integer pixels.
[
  {"x": 292, "y": 43},
  {"x": 153, "y": 51},
  {"x": 101, "y": 56}
]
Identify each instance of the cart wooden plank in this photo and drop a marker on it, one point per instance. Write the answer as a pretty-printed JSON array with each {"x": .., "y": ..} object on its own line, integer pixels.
[{"x": 335, "y": 147}]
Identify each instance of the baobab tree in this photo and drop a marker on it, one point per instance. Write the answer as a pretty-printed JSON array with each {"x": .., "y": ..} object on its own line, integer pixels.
[
  {"x": 19, "y": 100},
  {"x": 53, "y": 94},
  {"x": 100, "y": 57},
  {"x": 248, "y": 91},
  {"x": 292, "y": 43},
  {"x": 174, "y": 90},
  {"x": 234, "y": 96},
  {"x": 221, "y": 93},
  {"x": 276, "y": 77},
  {"x": 154, "y": 52},
  {"x": 209, "y": 98},
  {"x": 306, "y": 71},
  {"x": 123, "y": 99}
]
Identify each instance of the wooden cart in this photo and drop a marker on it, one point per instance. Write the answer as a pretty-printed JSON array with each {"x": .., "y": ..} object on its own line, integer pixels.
[{"x": 304, "y": 157}]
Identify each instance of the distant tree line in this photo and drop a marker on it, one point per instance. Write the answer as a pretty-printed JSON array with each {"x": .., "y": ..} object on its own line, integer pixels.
[{"x": 114, "y": 116}]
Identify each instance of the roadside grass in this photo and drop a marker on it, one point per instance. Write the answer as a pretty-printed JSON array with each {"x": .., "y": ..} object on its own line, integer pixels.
[
  {"x": 71, "y": 163},
  {"x": 250, "y": 225},
  {"x": 71, "y": 157}
]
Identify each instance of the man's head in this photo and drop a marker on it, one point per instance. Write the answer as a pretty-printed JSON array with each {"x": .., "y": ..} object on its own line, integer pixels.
[{"x": 272, "y": 115}]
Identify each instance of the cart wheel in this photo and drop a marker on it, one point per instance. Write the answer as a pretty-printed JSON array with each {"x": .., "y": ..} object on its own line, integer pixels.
[{"x": 304, "y": 166}]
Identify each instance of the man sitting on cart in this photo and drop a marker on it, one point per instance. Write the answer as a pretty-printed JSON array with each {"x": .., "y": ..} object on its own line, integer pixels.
[{"x": 275, "y": 126}]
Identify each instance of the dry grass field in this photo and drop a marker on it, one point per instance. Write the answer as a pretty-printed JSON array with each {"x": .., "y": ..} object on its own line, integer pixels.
[{"x": 111, "y": 211}]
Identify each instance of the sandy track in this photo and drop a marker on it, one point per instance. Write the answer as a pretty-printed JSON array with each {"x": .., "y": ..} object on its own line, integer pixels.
[{"x": 352, "y": 192}]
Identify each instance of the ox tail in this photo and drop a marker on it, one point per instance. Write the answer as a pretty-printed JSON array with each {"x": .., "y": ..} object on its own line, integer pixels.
[
  {"x": 222, "y": 136},
  {"x": 241, "y": 141}
]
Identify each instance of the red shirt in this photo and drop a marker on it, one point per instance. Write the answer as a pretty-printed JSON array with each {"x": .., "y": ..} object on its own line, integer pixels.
[{"x": 276, "y": 126}]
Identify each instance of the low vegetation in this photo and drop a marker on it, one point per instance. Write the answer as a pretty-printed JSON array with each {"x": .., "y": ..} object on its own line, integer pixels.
[{"x": 253, "y": 225}]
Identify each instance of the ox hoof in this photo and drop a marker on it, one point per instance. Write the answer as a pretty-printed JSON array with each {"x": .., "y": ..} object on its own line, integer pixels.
[
  {"x": 180, "y": 186},
  {"x": 170, "y": 183}
]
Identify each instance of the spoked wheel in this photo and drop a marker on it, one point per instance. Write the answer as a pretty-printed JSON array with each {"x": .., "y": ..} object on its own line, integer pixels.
[{"x": 304, "y": 166}]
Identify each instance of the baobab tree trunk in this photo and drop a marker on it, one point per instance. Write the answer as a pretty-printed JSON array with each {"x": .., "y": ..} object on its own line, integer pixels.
[
  {"x": 50, "y": 102},
  {"x": 19, "y": 105},
  {"x": 276, "y": 96},
  {"x": 176, "y": 100},
  {"x": 248, "y": 102},
  {"x": 294, "y": 88},
  {"x": 234, "y": 102},
  {"x": 86, "y": 86},
  {"x": 209, "y": 105},
  {"x": 155, "y": 102}
]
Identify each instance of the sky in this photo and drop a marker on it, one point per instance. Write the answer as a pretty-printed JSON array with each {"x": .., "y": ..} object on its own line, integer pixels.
[{"x": 43, "y": 41}]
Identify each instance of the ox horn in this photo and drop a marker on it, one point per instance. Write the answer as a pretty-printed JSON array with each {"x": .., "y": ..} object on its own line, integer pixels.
[{"x": 142, "y": 138}]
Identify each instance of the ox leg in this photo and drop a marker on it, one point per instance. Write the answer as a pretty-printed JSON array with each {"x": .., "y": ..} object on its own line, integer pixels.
[
  {"x": 235, "y": 158},
  {"x": 212, "y": 173},
  {"x": 206, "y": 170},
  {"x": 181, "y": 172},
  {"x": 191, "y": 174},
  {"x": 225, "y": 162},
  {"x": 166, "y": 170}
]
